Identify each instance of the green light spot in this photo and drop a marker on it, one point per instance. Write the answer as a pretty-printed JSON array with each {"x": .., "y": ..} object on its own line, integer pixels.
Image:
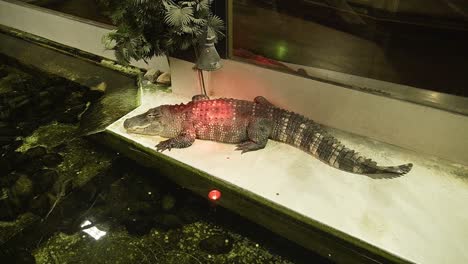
[{"x": 281, "y": 50}]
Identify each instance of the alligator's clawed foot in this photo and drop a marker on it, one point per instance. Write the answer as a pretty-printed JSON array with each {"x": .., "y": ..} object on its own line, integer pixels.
[
  {"x": 248, "y": 146},
  {"x": 166, "y": 144}
]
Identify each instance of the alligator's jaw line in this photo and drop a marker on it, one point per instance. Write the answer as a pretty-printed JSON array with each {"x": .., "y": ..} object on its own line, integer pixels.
[{"x": 137, "y": 129}]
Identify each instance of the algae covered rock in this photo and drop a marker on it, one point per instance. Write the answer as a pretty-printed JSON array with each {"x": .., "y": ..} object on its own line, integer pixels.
[
  {"x": 114, "y": 247},
  {"x": 5, "y": 166},
  {"x": 23, "y": 187},
  {"x": 52, "y": 159},
  {"x": 40, "y": 205},
  {"x": 168, "y": 221},
  {"x": 36, "y": 152},
  {"x": 217, "y": 244},
  {"x": 49, "y": 136},
  {"x": 44, "y": 180},
  {"x": 168, "y": 202}
]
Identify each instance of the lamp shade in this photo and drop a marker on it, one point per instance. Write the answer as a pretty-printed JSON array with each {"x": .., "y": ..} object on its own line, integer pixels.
[{"x": 208, "y": 57}]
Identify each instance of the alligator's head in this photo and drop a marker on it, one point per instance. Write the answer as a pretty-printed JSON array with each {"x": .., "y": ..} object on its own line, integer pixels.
[{"x": 153, "y": 122}]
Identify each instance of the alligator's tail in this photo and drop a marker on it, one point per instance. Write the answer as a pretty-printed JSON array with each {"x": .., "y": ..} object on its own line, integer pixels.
[
  {"x": 370, "y": 167},
  {"x": 330, "y": 150},
  {"x": 402, "y": 169},
  {"x": 309, "y": 136},
  {"x": 337, "y": 155}
]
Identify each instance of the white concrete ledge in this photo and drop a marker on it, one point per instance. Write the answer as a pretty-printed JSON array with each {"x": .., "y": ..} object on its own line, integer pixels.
[{"x": 419, "y": 216}]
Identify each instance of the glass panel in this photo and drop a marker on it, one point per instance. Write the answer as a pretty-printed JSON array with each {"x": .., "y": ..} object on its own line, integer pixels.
[
  {"x": 416, "y": 43},
  {"x": 95, "y": 10}
]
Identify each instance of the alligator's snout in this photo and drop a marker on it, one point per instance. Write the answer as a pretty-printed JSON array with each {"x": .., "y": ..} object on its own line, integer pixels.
[
  {"x": 140, "y": 124},
  {"x": 126, "y": 123},
  {"x": 135, "y": 123}
]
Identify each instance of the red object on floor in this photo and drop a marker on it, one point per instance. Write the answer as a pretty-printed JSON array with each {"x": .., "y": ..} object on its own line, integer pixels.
[{"x": 214, "y": 195}]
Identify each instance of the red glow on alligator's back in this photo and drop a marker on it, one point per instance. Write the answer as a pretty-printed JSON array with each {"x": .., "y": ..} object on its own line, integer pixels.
[{"x": 214, "y": 111}]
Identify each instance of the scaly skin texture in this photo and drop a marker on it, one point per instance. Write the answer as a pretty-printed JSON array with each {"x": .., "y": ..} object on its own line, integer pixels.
[{"x": 249, "y": 125}]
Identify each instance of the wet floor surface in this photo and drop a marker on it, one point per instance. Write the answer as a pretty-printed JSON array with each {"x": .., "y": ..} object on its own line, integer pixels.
[{"x": 65, "y": 199}]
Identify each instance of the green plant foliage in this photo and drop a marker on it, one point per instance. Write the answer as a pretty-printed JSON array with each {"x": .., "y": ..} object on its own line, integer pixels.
[{"x": 146, "y": 28}]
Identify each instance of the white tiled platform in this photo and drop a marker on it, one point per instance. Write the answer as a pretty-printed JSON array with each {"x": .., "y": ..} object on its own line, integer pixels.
[{"x": 421, "y": 216}]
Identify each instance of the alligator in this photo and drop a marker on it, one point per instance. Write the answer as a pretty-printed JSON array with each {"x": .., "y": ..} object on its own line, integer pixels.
[{"x": 249, "y": 125}]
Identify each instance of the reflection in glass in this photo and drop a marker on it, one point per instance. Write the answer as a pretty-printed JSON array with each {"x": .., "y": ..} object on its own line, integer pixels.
[{"x": 416, "y": 43}]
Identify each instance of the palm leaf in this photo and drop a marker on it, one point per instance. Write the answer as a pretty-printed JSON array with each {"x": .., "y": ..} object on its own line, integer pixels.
[
  {"x": 215, "y": 26},
  {"x": 178, "y": 16},
  {"x": 192, "y": 30},
  {"x": 108, "y": 41},
  {"x": 188, "y": 3},
  {"x": 203, "y": 5},
  {"x": 168, "y": 4},
  {"x": 199, "y": 21},
  {"x": 140, "y": 2},
  {"x": 185, "y": 45}
]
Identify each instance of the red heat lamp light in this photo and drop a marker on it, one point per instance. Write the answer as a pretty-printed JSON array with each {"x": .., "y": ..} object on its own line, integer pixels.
[{"x": 214, "y": 195}]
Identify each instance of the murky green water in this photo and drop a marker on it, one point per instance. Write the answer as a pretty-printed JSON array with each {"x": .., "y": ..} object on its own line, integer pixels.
[{"x": 65, "y": 199}]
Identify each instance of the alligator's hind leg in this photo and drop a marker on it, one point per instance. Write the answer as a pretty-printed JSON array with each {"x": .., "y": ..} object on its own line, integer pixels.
[
  {"x": 200, "y": 97},
  {"x": 258, "y": 131},
  {"x": 263, "y": 101}
]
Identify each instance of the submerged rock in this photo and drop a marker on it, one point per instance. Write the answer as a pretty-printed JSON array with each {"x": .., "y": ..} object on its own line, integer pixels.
[
  {"x": 7, "y": 212},
  {"x": 49, "y": 136},
  {"x": 168, "y": 202},
  {"x": 5, "y": 166},
  {"x": 52, "y": 159},
  {"x": 168, "y": 221},
  {"x": 23, "y": 187},
  {"x": 9, "y": 179},
  {"x": 40, "y": 205},
  {"x": 36, "y": 152},
  {"x": 31, "y": 166},
  {"x": 139, "y": 226},
  {"x": 44, "y": 179},
  {"x": 114, "y": 247},
  {"x": 17, "y": 159},
  {"x": 217, "y": 244}
]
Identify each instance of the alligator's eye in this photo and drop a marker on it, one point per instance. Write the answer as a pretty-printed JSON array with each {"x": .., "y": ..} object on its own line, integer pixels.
[{"x": 152, "y": 115}]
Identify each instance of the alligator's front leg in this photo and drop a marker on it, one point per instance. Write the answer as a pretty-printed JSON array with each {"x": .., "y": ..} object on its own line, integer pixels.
[{"x": 183, "y": 140}]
